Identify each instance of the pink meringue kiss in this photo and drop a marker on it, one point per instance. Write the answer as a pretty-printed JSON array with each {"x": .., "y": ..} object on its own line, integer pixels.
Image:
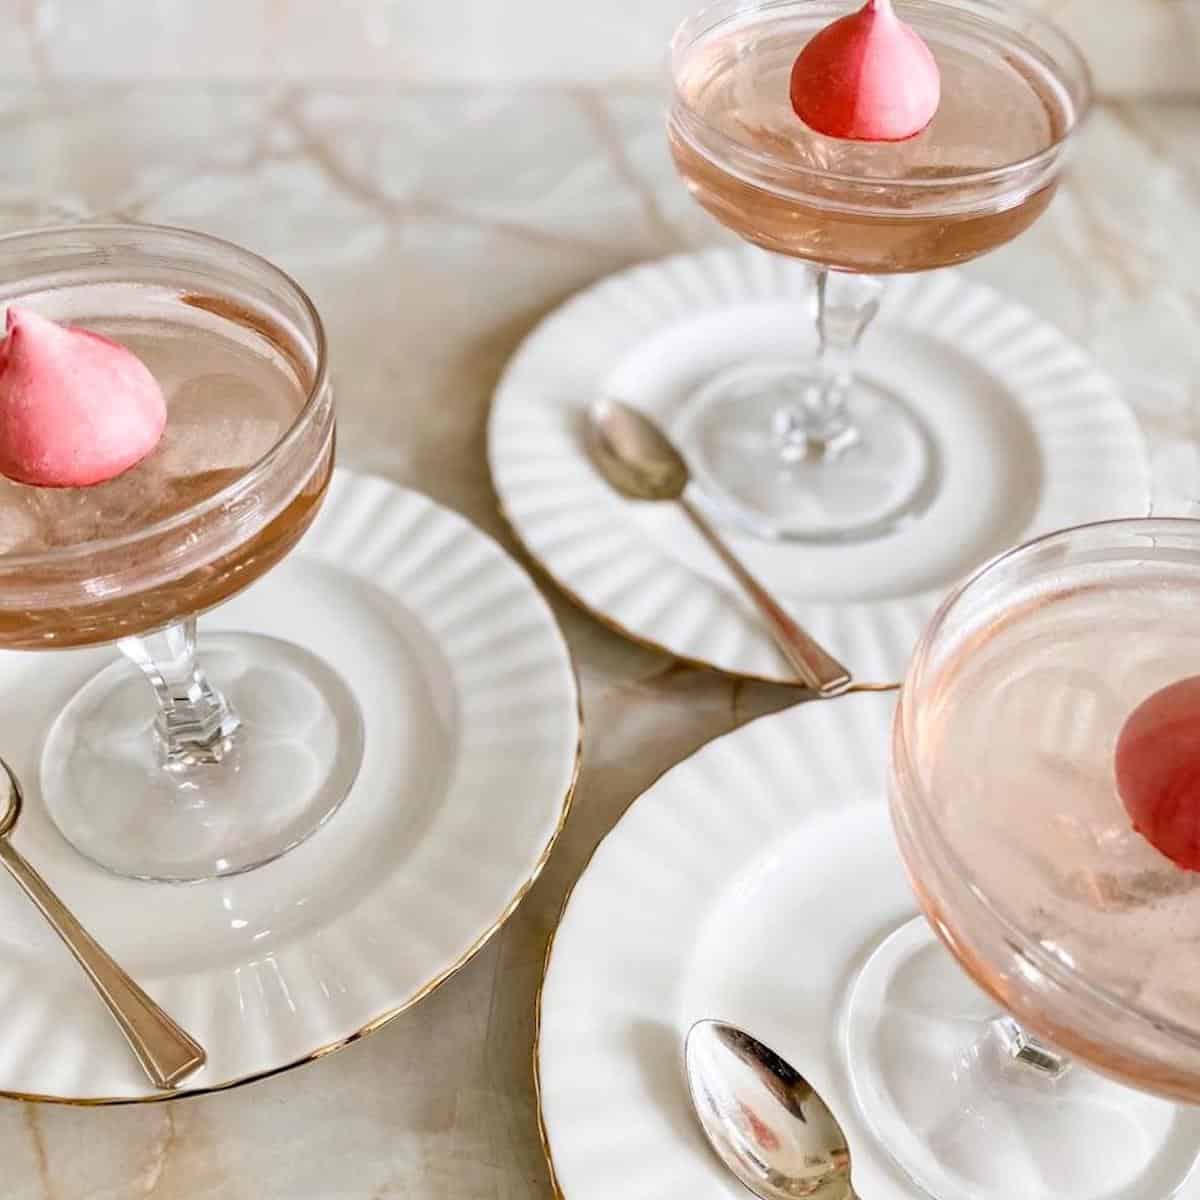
[
  {"x": 1158, "y": 771},
  {"x": 75, "y": 408},
  {"x": 867, "y": 77}
]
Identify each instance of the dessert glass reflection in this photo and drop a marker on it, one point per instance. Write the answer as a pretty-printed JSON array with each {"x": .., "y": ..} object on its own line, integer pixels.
[
  {"x": 804, "y": 449},
  {"x": 1080, "y": 937},
  {"x": 158, "y": 767}
]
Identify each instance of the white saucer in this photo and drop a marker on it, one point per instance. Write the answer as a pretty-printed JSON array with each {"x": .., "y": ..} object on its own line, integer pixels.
[
  {"x": 1035, "y": 438},
  {"x": 471, "y": 749},
  {"x": 749, "y": 884}
]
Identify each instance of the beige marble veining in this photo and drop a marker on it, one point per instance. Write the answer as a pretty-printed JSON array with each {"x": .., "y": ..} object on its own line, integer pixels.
[
  {"x": 1136, "y": 46},
  {"x": 434, "y": 227}
]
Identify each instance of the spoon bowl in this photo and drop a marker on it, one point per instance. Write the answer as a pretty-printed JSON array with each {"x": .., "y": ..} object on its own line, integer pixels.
[
  {"x": 763, "y": 1119},
  {"x": 11, "y": 799},
  {"x": 634, "y": 454},
  {"x": 639, "y": 460}
]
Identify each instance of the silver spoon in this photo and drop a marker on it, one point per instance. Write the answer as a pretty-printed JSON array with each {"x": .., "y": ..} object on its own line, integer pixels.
[
  {"x": 167, "y": 1054},
  {"x": 764, "y": 1121},
  {"x": 638, "y": 459}
]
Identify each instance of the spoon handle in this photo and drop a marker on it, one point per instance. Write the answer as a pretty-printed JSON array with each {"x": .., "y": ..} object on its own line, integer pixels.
[
  {"x": 817, "y": 669},
  {"x": 167, "y": 1054}
]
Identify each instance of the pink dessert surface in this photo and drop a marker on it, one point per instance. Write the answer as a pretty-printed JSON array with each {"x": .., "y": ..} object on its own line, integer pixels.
[
  {"x": 75, "y": 408},
  {"x": 1158, "y": 771},
  {"x": 867, "y": 77}
]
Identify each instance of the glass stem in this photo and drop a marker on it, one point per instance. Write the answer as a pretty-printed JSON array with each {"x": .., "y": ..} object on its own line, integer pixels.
[
  {"x": 821, "y": 427},
  {"x": 195, "y": 724},
  {"x": 1022, "y": 1047}
]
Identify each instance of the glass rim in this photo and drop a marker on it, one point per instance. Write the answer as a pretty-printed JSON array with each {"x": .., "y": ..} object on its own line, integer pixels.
[
  {"x": 253, "y": 473},
  {"x": 701, "y": 23},
  {"x": 902, "y": 766}
]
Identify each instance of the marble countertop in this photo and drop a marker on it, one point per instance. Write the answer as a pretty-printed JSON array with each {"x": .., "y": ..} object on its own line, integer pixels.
[
  {"x": 434, "y": 227},
  {"x": 1136, "y": 47}
]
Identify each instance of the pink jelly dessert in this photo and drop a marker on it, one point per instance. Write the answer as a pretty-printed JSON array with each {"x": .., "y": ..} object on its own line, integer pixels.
[
  {"x": 75, "y": 408},
  {"x": 1158, "y": 771},
  {"x": 867, "y": 77}
]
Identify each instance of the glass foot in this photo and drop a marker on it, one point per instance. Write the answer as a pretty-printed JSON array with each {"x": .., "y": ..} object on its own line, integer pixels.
[
  {"x": 283, "y": 772},
  {"x": 759, "y": 470},
  {"x": 972, "y": 1108}
]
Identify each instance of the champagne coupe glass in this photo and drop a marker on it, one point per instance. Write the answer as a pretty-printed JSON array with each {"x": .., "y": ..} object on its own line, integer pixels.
[
  {"x": 1037, "y": 1033},
  {"x": 806, "y": 448},
  {"x": 167, "y": 765}
]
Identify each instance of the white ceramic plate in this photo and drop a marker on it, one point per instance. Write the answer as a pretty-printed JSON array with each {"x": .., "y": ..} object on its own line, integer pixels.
[
  {"x": 1033, "y": 438},
  {"x": 733, "y": 888},
  {"x": 749, "y": 884},
  {"x": 472, "y": 740}
]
